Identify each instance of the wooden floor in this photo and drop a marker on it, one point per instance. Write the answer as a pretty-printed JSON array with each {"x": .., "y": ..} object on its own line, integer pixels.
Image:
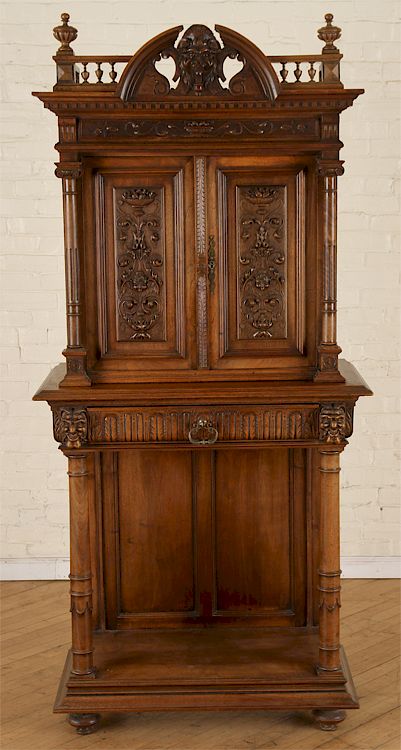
[{"x": 35, "y": 637}]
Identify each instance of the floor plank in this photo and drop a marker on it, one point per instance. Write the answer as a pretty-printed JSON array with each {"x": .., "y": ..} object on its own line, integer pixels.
[{"x": 36, "y": 636}]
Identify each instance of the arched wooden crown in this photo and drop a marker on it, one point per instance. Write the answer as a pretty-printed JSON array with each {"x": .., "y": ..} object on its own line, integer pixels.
[{"x": 199, "y": 58}]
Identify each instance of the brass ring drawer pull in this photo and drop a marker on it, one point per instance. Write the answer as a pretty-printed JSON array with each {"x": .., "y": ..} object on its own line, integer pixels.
[{"x": 202, "y": 432}]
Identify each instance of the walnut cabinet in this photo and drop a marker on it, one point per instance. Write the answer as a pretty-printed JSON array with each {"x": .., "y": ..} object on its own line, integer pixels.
[{"x": 202, "y": 406}]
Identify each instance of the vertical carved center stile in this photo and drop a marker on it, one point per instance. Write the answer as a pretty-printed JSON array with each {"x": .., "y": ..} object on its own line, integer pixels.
[{"x": 201, "y": 261}]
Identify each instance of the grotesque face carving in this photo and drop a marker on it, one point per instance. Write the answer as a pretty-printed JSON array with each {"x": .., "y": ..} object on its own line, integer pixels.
[
  {"x": 199, "y": 60},
  {"x": 70, "y": 427},
  {"x": 335, "y": 423}
]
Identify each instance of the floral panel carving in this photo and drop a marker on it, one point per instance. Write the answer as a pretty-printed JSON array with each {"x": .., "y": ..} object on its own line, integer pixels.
[
  {"x": 262, "y": 251},
  {"x": 70, "y": 426},
  {"x": 335, "y": 422},
  {"x": 140, "y": 264}
]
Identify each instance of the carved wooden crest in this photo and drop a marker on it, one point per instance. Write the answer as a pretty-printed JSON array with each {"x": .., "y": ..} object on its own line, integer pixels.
[{"x": 199, "y": 59}]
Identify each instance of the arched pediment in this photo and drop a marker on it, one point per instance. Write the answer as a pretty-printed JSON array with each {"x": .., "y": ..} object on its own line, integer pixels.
[{"x": 199, "y": 59}]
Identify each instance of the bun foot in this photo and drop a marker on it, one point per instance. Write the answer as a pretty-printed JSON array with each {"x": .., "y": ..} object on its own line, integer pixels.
[
  {"x": 85, "y": 723},
  {"x": 328, "y": 720}
]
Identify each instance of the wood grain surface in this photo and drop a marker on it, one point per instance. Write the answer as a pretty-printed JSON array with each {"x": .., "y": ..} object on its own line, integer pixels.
[{"x": 36, "y": 635}]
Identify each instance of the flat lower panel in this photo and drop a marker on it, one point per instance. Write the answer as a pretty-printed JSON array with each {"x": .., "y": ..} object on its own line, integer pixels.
[
  {"x": 253, "y": 532},
  {"x": 155, "y": 529}
]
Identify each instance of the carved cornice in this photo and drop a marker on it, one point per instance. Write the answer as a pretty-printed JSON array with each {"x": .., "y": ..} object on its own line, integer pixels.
[
  {"x": 293, "y": 100},
  {"x": 335, "y": 422},
  {"x": 70, "y": 426}
]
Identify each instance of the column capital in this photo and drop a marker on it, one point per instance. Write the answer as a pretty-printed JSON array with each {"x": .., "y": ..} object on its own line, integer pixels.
[
  {"x": 71, "y": 170},
  {"x": 330, "y": 167}
]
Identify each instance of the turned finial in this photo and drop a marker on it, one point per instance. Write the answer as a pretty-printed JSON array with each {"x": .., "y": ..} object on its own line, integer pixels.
[
  {"x": 329, "y": 34},
  {"x": 65, "y": 34}
]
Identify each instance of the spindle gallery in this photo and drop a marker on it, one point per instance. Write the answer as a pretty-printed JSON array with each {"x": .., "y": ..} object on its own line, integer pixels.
[{"x": 202, "y": 406}]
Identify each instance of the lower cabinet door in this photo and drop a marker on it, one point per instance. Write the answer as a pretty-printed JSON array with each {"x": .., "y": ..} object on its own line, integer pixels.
[{"x": 203, "y": 536}]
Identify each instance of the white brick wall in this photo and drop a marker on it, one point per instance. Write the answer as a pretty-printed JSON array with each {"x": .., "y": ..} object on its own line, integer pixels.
[{"x": 32, "y": 321}]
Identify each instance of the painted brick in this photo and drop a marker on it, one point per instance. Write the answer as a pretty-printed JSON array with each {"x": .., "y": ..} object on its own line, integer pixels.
[{"x": 33, "y": 320}]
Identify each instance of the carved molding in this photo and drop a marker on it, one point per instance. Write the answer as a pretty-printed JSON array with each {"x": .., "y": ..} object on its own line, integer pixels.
[
  {"x": 331, "y": 102},
  {"x": 71, "y": 170},
  {"x": 70, "y": 426},
  {"x": 140, "y": 263},
  {"x": 330, "y": 168},
  {"x": 335, "y": 422},
  {"x": 131, "y": 425},
  {"x": 85, "y": 608},
  {"x": 283, "y": 128},
  {"x": 330, "y": 607},
  {"x": 262, "y": 262}
]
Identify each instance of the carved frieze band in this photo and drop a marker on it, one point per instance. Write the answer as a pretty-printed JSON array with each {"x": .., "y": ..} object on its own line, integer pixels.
[
  {"x": 73, "y": 427},
  {"x": 201, "y": 260},
  {"x": 133, "y": 425},
  {"x": 335, "y": 422},
  {"x": 262, "y": 261},
  {"x": 92, "y": 129},
  {"x": 70, "y": 426}
]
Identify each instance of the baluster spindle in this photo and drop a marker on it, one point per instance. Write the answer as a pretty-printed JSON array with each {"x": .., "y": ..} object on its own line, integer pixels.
[
  {"x": 85, "y": 73},
  {"x": 312, "y": 71},
  {"x": 113, "y": 73},
  {"x": 283, "y": 71},
  {"x": 297, "y": 71},
  {"x": 99, "y": 72}
]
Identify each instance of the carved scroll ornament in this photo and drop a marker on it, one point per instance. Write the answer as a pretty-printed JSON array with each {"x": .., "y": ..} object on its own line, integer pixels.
[{"x": 70, "y": 426}]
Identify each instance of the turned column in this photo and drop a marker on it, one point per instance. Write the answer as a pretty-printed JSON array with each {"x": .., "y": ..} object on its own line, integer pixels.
[
  {"x": 80, "y": 566},
  {"x": 329, "y": 566},
  {"x": 328, "y": 349},
  {"x": 74, "y": 353}
]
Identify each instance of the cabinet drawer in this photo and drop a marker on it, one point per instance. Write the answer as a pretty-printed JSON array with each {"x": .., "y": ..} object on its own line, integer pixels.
[{"x": 202, "y": 425}]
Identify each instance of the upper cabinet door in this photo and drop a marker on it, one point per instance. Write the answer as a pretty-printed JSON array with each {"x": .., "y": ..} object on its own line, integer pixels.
[
  {"x": 262, "y": 221},
  {"x": 139, "y": 252}
]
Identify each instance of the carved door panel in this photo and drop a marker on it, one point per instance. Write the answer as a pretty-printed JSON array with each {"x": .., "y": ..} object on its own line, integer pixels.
[
  {"x": 144, "y": 277},
  {"x": 261, "y": 218}
]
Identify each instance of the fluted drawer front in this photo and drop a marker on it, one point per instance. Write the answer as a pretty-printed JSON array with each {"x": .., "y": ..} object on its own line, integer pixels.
[{"x": 161, "y": 425}]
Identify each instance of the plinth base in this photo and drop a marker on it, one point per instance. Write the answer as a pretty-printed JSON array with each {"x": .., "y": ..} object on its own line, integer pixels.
[{"x": 207, "y": 669}]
